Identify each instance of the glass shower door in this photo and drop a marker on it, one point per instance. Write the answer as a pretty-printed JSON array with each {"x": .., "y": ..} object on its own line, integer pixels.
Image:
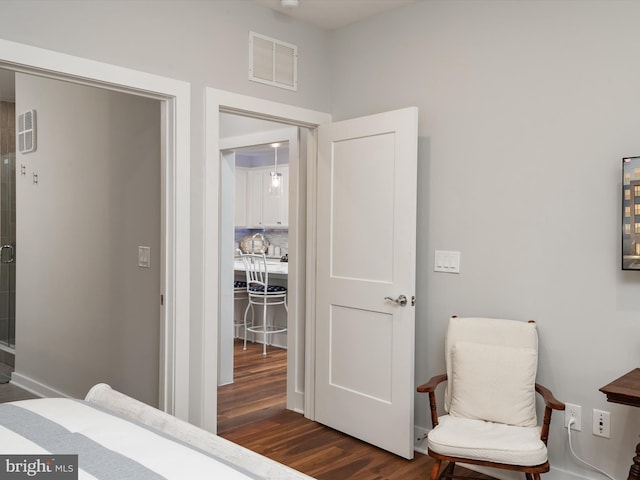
[
  {"x": 7, "y": 252},
  {"x": 7, "y": 217}
]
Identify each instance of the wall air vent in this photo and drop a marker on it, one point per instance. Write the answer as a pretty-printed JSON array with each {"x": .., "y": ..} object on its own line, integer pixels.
[
  {"x": 273, "y": 62},
  {"x": 27, "y": 131}
]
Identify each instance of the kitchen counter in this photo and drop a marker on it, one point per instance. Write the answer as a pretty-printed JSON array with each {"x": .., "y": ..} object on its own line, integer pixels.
[{"x": 276, "y": 268}]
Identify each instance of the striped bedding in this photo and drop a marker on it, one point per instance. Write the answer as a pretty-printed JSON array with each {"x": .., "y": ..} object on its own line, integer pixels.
[{"x": 111, "y": 447}]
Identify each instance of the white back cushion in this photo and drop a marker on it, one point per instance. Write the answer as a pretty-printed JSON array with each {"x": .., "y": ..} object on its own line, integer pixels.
[
  {"x": 487, "y": 331},
  {"x": 494, "y": 383}
]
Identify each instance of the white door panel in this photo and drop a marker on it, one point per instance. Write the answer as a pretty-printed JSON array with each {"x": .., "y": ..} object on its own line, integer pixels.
[
  {"x": 372, "y": 379},
  {"x": 366, "y": 252},
  {"x": 354, "y": 255}
]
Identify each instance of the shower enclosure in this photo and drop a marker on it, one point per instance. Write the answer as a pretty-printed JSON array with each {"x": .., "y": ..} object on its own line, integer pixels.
[
  {"x": 7, "y": 227},
  {"x": 7, "y": 251}
]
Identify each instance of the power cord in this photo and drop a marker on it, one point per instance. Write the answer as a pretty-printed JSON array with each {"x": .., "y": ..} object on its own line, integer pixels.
[{"x": 571, "y": 422}]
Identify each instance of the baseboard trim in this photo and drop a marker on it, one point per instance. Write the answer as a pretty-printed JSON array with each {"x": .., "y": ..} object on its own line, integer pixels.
[
  {"x": 295, "y": 402},
  {"x": 420, "y": 439},
  {"x": 35, "y": 387}
]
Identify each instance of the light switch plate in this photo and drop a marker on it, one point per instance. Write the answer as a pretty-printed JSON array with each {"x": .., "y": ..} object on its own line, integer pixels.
[
  {"x": 144, "y": 257},
  {"x": 447, "y": 261}
]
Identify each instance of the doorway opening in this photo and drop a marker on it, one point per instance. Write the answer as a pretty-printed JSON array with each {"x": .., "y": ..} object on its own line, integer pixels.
[
  {"x": 251, "y": 151},
  {"x": 338, "y": 154},
  {"x": 173, "y": 99},
  {"x": 300, "y": 267},
  {"x": 98, "y": 189}
]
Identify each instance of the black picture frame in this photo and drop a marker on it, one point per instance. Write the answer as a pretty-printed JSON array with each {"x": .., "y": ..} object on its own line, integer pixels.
[{"x": 630, "y": 213}]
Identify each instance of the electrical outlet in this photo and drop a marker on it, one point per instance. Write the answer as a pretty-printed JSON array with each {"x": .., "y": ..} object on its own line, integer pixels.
[
  {"x": 601, "y": 423},
  {"x": 575, "y": 412}
]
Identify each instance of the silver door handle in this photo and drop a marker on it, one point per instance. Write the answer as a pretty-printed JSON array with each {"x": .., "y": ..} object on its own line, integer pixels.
[
  {"x": 11, "y": 255},
  {"x": 401, "y": 300}
]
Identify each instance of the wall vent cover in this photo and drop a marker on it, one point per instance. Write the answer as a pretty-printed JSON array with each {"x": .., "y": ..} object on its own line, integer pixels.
[
  {"x": 27, "y": 131},
  {"x": 273, "y": 62}
]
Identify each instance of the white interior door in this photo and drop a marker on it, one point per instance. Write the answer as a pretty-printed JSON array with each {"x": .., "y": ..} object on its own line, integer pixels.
[{"x": 366, "y": 253}]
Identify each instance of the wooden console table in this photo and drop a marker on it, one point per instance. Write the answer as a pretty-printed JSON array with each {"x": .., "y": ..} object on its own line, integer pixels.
[{"x": 626, "y": 390}]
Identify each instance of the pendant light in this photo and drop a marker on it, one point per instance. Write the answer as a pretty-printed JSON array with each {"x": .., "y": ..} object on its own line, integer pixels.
[{"x": 275, "y": 184}]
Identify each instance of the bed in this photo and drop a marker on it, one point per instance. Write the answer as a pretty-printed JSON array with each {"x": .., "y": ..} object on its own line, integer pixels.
[{"x": 116, "y": 436}]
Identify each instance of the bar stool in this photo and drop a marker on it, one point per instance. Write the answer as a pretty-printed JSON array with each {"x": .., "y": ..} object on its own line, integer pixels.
[
  {"x": 261, "y": 293},
  {"x": 239, "y": 293}
]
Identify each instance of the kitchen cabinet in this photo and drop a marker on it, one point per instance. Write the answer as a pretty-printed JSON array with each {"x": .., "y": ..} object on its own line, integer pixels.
[
  {"x": 240, "y": 197},
  {"x": 263, "y": 209},
  {"x": 254, "y": 197}
]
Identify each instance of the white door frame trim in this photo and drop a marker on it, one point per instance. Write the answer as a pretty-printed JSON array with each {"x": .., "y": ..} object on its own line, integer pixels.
[
  {"x": 175, "y": 98},
  {"x": 215, "y": 101}
]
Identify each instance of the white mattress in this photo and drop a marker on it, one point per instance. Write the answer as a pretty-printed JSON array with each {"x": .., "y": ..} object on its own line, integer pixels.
[{"x": 110, "y": 446}]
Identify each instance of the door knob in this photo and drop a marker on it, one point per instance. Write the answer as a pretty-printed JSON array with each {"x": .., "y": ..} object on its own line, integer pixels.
[{"x": 401, "y": 300}]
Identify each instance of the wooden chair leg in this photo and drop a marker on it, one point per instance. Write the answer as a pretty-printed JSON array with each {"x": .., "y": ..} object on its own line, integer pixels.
[
  {"x": 536, "y": 476},
  {"x": 448, "y": 472},
  {"x": 435, "y": 471}
]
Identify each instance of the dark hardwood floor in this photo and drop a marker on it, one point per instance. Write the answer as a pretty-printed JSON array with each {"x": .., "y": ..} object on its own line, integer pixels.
[
  {"x": 259, "y": 389},
  {"x": 251, "y": 413}
]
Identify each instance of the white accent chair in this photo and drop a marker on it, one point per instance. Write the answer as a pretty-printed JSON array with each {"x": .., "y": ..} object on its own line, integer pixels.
[
  {"x": 490, "y": 399},
  {"x": 262, "y": 294}
]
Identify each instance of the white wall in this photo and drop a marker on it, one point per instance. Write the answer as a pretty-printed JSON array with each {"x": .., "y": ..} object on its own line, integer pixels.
[
  {"x": 202, "y": 42},
  {"x": 85, "y": 312},
  {"x": 526, "y": 109}
]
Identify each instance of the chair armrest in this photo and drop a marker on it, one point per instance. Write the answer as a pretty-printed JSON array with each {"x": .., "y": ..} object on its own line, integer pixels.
[
  {"x": 430, "y": 388},
  {"x": 550, "y": 404},
  {"x": 549, "y": 400},
  {"x": 431, "y": 385}
]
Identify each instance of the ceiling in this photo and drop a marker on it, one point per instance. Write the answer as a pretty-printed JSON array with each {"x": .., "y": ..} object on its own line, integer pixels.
[{"x": 332, "y": 14}]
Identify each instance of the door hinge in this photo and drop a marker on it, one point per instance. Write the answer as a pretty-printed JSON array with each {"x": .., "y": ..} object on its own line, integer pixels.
[{"x": 161, "y": 299}]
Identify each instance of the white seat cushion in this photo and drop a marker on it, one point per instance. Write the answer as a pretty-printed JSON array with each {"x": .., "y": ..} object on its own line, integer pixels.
[{"x": 487, "y": 441}]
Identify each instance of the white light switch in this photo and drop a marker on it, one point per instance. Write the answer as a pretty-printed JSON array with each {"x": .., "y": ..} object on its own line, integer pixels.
[
  {"x": 446, "y": 261},
  {"x": 144, "y": 257}
]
